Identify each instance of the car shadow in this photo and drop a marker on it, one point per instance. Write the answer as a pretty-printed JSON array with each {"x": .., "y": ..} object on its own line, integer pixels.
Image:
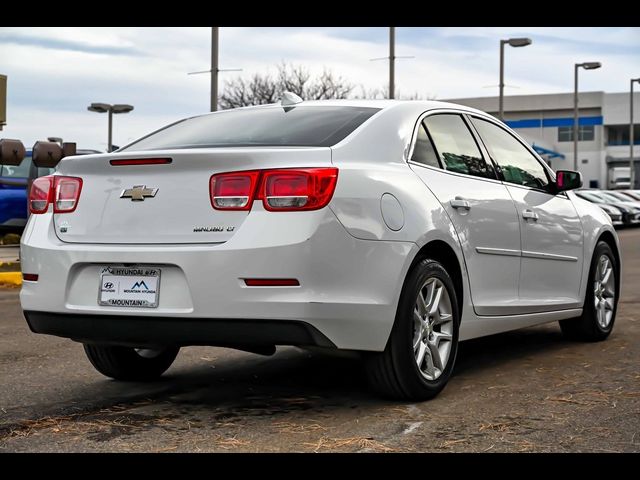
[{"x": 296, "y": 379}]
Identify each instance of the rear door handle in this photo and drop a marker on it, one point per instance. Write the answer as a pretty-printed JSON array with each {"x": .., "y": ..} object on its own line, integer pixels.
[
  {"x": 529, "y": 215},
  {"x": 460, "y": 202}
]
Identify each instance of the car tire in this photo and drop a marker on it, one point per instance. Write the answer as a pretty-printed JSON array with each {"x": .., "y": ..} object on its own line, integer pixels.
[
  {"x": 130, "y": 364},
  {"x": 395, "y": 372},
  {"x": 601, "y": 300}
]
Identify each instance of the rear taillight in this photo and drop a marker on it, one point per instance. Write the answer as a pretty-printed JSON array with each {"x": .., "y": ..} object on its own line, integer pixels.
[
  {"x": 67, "y": 193},
  {"x": 40, "y": 195},
  {"x": 233, "y": 191},
  {"x": 300, "y": 189},
  {"x": 63, "y": 192},
  {"x": 279, "y": 190}
]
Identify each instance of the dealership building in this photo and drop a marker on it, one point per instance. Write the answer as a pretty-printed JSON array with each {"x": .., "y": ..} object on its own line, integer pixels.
[{"x": 546, "y": 121}]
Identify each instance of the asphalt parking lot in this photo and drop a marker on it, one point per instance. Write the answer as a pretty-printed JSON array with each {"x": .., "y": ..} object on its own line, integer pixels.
[{"x": 524, "y": 391}]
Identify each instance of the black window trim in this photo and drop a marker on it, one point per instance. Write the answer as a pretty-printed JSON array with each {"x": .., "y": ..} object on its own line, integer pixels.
[
  {"x": 433, "y": 145},
  {"x": 461, "y": 113},
  {"x": 549, "y": 172}
]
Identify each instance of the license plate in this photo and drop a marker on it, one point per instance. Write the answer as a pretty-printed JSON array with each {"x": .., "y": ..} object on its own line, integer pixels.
[{"x": 129, "y": 287}]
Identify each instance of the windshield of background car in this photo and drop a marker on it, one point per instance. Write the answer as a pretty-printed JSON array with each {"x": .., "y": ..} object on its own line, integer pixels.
[
  {"x": 259, "y": 127},
  {"x": 592, "y": 197}
]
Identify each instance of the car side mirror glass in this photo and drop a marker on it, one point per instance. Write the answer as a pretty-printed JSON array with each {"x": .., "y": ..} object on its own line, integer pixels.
[
  {"x": 12, "y": 152},
  {"x": 567, "y": 180}
]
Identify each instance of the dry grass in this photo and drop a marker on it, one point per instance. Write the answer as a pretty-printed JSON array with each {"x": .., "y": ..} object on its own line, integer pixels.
[
  {"x": 286, "y": 427},
  {"x": 358, "y": 443},
  {"x": 230, "y": 443}
]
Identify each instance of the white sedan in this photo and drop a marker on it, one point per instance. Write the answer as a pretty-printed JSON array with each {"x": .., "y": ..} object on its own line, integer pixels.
[{"x": 394, "y": 228}]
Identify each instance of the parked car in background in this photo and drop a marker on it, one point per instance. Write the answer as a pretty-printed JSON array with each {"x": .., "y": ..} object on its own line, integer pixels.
[
  {"x": 393, "y": 228},
  {"x": 615, "y": 214},
  {"x": 630, "y": 213},
  {"x": 14, "y": 182},
  {"x": 633, "y": 194},
  {"x": 625, "y": 199}
]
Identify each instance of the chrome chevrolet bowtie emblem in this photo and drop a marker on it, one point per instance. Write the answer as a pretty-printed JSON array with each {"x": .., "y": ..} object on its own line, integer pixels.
[{"x": 138, "y": 193}]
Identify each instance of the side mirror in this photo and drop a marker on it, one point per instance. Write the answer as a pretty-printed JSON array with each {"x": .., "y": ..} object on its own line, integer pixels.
[
  {"x": 46, "y": 154},
  {"x": 567, "y": 180},
  {"x": 11, "y": 152}
]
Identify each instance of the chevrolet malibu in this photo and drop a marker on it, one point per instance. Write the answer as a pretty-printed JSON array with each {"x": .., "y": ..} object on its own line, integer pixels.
[{"x": 396, "y": 229}]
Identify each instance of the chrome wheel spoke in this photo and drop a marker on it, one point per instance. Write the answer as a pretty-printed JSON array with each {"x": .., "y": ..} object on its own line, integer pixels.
[
  {"x": 608, "y": 304},
  {"x": 443, "y": 318},
  {"x": 435, "y": 303},
  {"x": 434, "y": 353},
  {"x": 420, "y": 354},
  {"x": 440, "y": 336},
  {"x": 430, "y": 368},
  {"x": 421, "y": 304}
]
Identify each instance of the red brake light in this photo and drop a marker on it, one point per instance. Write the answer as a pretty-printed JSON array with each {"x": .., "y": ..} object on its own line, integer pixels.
[
  {"x": 271, "y": 282},
  {"x": 299, "y": 189},
  {"x": 233, "y": 191},
  {"x": 40, "y": 195},
  {"x": 62, "y": 192},
  {"x": 141, "y": 161}
]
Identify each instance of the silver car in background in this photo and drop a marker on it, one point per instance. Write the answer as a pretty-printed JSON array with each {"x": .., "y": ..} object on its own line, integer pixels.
[{"x": 393, "y": 228}]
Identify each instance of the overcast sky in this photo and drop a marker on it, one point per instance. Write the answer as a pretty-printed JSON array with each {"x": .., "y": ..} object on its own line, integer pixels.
[{"x": 54, "y": 73}]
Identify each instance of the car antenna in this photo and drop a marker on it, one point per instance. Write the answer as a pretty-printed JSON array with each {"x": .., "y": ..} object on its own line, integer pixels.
[{"x": 289, "y": 99}]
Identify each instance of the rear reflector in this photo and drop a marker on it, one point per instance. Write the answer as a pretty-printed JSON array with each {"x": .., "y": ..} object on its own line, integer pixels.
[
  {"x": 271, "y": 282},
  {"x": 30, "y": 277},
  {"x": 141, "y": 161}
]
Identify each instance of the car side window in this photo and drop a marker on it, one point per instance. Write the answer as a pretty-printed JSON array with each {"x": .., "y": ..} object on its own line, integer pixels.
[
  {"x": 423, "y": 151},
  {"x": 519, "y": 166},
  {"x": 456, "y": 146},
  {"x": 20, "y": 171}
]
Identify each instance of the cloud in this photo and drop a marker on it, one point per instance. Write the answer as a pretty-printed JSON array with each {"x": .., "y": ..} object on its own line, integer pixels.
[{"x": 59, "y": 44}]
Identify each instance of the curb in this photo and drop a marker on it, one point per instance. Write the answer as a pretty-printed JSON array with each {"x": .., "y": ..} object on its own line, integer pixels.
[{"x": 11, "y": 278}]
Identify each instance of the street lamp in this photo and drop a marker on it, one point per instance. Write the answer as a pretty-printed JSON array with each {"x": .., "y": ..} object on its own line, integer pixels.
[
  {"x": 513, "y": 42},
  {"x": 110, "y": 109},
  {"x": 586, "y": 66},
  {"x": 632, "y": 166}
]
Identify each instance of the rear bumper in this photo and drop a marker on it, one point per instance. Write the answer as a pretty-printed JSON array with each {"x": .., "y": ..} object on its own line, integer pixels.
[
  {"x": 349, "y": 288},
  {"x": 163, "y": 331}
]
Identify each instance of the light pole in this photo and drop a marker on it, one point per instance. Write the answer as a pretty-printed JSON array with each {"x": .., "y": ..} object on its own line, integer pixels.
[
  {"x": 513, "y": 42},
  {"x": 586, "y": 66},
  {"x": 632, "y": 166},
  {"x": 392, "y": 62},
  {"x": 110, "y": 109},
  {"x": 214, "y": 68}
]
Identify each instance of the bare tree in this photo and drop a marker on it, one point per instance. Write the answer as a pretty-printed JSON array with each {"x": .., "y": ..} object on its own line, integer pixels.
[
  {"x": 263, "y": 88},
  {"x": 383, "y": 93}
]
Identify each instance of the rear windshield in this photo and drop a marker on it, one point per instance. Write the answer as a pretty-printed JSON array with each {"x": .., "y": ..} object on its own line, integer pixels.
[{"x": 259, "y": 127}]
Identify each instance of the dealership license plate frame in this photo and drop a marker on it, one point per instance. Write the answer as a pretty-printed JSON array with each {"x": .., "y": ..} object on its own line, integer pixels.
[{"x": 135, "y": 273}]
